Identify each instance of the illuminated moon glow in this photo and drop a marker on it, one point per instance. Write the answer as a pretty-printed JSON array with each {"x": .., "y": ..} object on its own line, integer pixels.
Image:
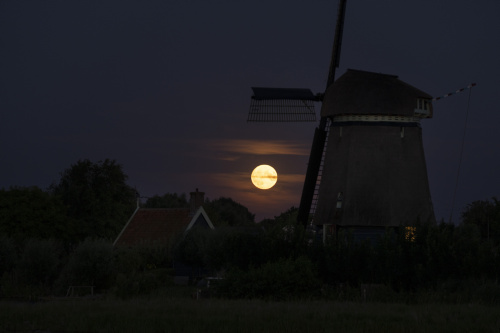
[{"x": 264, "y": 177}]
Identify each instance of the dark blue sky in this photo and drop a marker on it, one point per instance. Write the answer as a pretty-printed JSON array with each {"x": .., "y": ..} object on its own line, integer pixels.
[{"x": 163, "y": 87}]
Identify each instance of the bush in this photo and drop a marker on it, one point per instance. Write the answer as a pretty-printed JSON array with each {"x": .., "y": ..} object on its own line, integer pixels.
[
  {"x": 8, "y": 255},
  {"x": 142, "y": 257},
  {"x": 90, "y": 264},
  {"x": 240, "y": 248},
  {"x": 142, "y": 269},
  {"x": 39, "y": 264},
  {"x": 142, "y": 283},
  {"x": 280, "y": 280}
]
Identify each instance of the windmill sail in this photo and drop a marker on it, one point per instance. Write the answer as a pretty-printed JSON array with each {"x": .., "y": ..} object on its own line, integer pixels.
[
  {"x": 337, "y": 43},
  {"x": 282, "y": 105},
  {"x": 320, "y": 134}
]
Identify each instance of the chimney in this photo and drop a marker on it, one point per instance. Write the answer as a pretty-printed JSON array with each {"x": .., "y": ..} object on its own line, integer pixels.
[{"x": 196, "y": 200}]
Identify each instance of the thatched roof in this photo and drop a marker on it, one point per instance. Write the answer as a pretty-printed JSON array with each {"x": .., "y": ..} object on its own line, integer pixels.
[{"x": 368, "y": 93}]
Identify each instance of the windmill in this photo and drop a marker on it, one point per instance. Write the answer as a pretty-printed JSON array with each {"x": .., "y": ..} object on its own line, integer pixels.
[{"x": 366, "y": 169}]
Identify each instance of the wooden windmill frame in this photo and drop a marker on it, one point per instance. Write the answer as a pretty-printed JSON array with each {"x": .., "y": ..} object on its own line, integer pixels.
[{"x": 297, "y": 105}]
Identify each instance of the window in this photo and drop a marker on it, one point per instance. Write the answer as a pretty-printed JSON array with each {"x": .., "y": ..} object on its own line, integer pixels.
[
  {"x": 329, "y": 231},
  {"x": 423, "y": 106},
  {"x": 410, "y": 233}
]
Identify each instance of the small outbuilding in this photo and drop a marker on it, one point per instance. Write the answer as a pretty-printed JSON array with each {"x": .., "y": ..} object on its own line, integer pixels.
[
  {"x": 165, "y": 225},
  {"x": 157, "y": 225}
]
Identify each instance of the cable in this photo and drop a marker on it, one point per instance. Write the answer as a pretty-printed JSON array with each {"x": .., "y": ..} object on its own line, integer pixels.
[
  {"x": 455, "y": 92},
  {"x": 461, "y": 153}
]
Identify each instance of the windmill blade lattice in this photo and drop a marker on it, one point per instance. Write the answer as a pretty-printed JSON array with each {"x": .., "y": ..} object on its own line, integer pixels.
[{"x": 282, "y": 105}]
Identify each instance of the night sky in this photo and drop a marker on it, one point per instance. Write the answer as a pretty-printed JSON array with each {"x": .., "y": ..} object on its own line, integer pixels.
[{"x": 163, "y": 87}]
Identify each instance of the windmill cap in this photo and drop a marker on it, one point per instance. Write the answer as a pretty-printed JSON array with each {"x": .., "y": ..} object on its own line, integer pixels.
[{"x": 369, "y": 93}]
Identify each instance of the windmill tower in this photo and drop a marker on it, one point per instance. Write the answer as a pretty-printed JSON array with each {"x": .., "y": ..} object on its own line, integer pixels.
[
  {"x": 367, "y": 168},
  {"x": 374, "y": 173}
]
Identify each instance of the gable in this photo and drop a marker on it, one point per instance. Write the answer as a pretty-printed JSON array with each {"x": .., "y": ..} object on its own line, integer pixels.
[
  {"x": 200, "y": 219},
  {"x": 160, "y": 225},
  {"x": 153, "y": 225}
]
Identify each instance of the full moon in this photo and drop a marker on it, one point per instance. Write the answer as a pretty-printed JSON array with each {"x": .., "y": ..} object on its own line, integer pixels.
[{"x": 264, "y": 177}]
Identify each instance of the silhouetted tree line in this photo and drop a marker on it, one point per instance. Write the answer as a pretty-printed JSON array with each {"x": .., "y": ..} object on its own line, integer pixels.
[
  {"x": 62, "y": 236},
  {"x": 89, "y": 200},
  {"x": 92, "y": 200},
  {"x": 52, "y": 239},
  {"x": 283, "y": 260},
  {"x": 279, "y": 260}
]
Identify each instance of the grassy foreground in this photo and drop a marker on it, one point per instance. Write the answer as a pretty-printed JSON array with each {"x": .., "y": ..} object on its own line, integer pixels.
[{"x": 182, "y": 314}]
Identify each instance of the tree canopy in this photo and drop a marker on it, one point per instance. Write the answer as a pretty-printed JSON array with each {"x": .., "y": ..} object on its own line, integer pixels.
[
  {"x": 29, "y": 212},
  {"x": 168, "y": 200},
  {"x": 485, "y": 214},
  {"x": 97, "y": 196},
  {"x": 226, "y": 211}
]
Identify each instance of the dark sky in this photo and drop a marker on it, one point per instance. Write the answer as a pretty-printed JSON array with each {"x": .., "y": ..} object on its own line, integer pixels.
[{"x": 163, "y": 87}]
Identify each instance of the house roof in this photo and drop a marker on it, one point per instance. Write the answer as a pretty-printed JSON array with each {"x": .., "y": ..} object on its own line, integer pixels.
[
  {"x": 369, "y": 93},
  {"x": 159, "y": 224}
]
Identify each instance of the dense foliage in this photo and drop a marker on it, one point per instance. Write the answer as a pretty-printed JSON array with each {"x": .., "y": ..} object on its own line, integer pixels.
[
  {"x": 90, "y": 200},
  {"x": 280, "y": 263},
  {"x": 168, "y": 200},
  {"x": 50, "y": 240},
  {"x": 227, "y": 212},
  {"x": 485, "y": 214},
  {"x": 29, "y": 212},
  {"x": 97, "y": 197}
]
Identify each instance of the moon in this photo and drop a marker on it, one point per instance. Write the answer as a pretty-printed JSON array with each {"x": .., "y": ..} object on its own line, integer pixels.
[{"x": 264, "y": 177}]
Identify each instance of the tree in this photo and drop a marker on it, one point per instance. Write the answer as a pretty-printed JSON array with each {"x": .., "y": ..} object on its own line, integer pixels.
[
  {"x": 167, "y": 200},
  {"x": 8, "y": 254},
  {"x": 97, "y": 197},
  {"x": 485, "y": 214},
  {"x": 39, "y": 263},
  {"x": 29, "y": 212},
  {"x": 225, "y": 211},
  {"x": 90, "y": 264}
]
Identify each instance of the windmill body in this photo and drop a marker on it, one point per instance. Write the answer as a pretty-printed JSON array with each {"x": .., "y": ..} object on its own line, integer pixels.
[
  {"x": 374, "y": 173},
  {"x": 366, "y": 170}
]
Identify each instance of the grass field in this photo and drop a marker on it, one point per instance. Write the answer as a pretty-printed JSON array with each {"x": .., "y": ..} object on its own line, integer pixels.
[{"x": 183, "y": 314}]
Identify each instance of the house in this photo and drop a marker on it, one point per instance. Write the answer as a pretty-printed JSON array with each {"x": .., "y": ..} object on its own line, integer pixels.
[
  {"x": 157, "y": 225},
  {"x": 164, "y": 225}
]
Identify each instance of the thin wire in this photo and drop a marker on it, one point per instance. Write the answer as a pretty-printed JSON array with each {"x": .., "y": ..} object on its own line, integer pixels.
[{"x": 461, "y": 155}]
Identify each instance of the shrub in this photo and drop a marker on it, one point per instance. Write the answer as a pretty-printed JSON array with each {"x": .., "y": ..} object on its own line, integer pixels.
[
  {"x": 142, "y": 269},
  {"x": 142, "y": 283},
  {"x": 90, "y": 264},
  {"x": 142, "y": 257},
  {"x": 280, "y": 280},
  {"x": 240, "y": 248},
  {"x": 39, "y": 263},
  {"x": 8, "y": 255}
]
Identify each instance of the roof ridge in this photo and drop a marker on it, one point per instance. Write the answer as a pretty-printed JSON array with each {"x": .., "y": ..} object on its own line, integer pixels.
[
  {"x": 164, "y": 208},
  {"x": 375, "y": 73}
]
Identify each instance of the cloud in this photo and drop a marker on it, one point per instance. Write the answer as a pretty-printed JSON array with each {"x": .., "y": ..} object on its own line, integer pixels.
[
  {"x": 241, "y": 180},
  {"x": 264, "y": 203},
  {"x": 291, "y": 178},
  {"x": 259, "y": 147},
  {"x": 234, "y": 180}
]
